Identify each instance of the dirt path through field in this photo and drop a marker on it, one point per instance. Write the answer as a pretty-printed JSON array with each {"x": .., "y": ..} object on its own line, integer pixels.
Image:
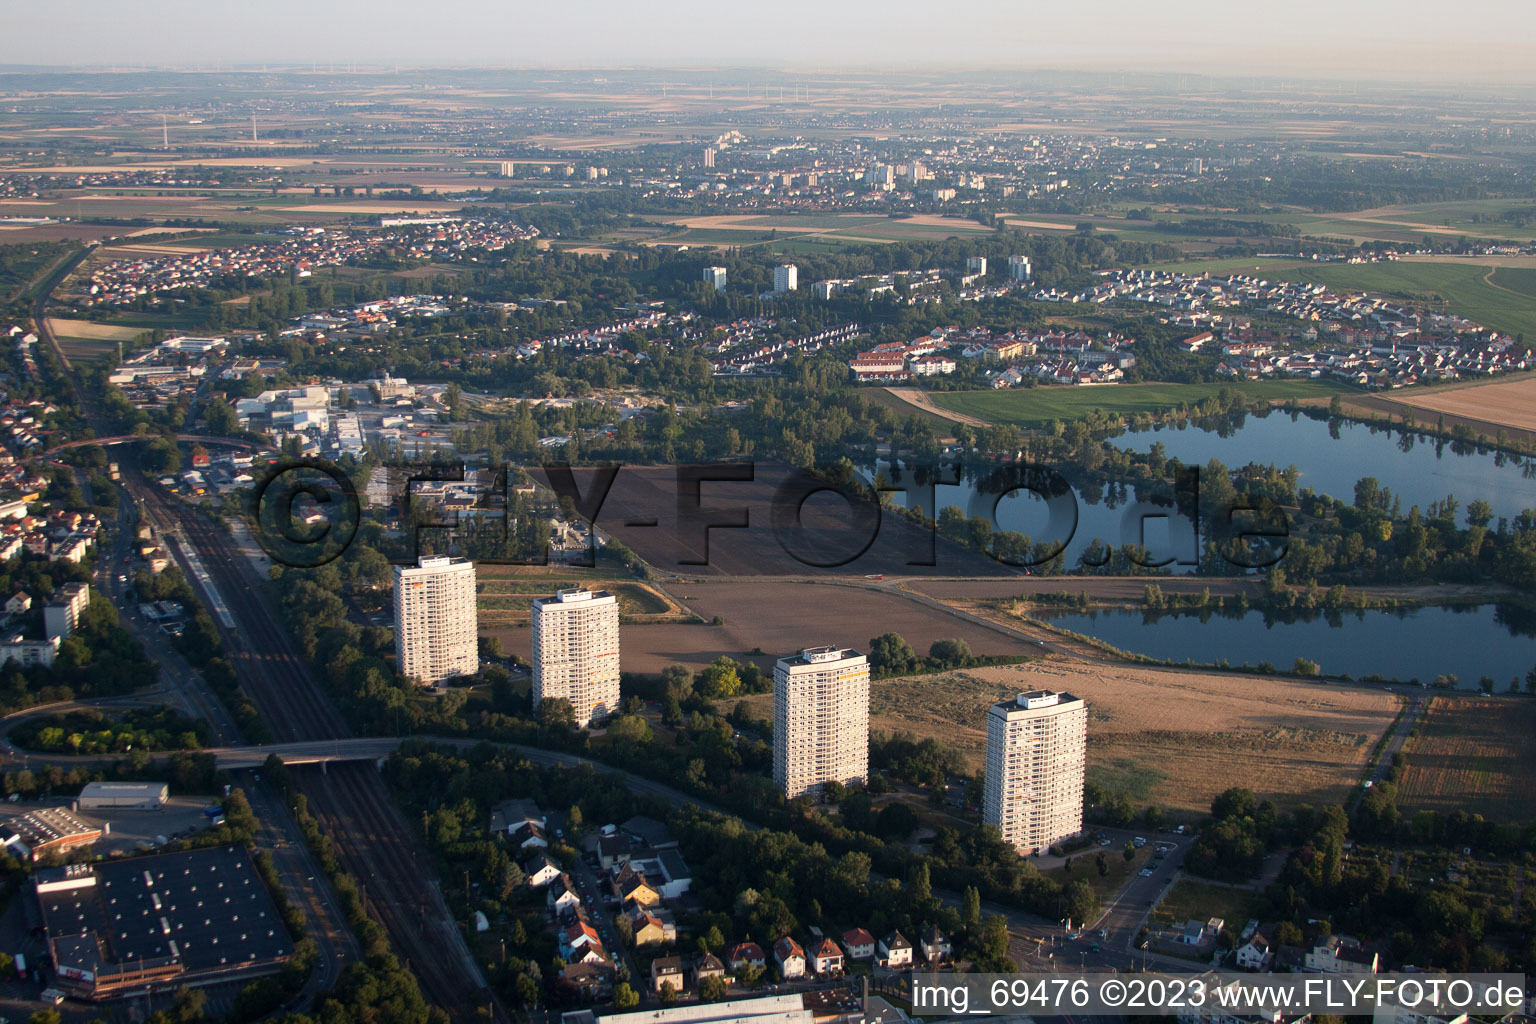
[{"x": 919, "y": 399}]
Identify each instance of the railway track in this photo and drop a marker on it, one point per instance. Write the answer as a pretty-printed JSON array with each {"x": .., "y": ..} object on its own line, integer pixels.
[{"x": 373, "y": 842}]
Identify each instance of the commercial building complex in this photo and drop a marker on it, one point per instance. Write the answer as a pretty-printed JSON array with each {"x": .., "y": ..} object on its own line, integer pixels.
[
  {"x": 436, "y": 628},
  {"x": 117, "y": 927},
  {"x": 36, "y": 834},
  {"x": 1036, "y": 746},
  {"x": 820, "y": 720},
  {"x": 576, "y": 652}
]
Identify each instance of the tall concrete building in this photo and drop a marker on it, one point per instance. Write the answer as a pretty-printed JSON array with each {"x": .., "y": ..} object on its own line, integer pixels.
[
  {"x": 436, "y": 627},
  {"x": 786, "y": 277},
  {"x": 1019, "y": 268},
  {"x": 61, "y": 615},
  {"x": 709, "y": 156},
  {"x": 576, "y": 652},
  {"x": 976, "y": 265},
  {"x": 715, "y": 278},
  {"x": 820, "y": 720},
  {"x": 1036, "y": 745}
]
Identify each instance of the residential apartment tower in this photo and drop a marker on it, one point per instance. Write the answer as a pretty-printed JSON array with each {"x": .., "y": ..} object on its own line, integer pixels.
[
  {"x": 576, "y": 652},
  {"x": 1036, "y": 745},
  {"x": 820, "y": 720},
  {"x": 436, "y": 627}
]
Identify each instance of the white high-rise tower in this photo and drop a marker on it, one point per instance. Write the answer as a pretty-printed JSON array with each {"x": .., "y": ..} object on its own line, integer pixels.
[
  {"x": 576, "y": 652},
  {"x": 436, "y": 625},
  {"x": 1036, "y": 750},
  {"x": 820, "y": 720}
]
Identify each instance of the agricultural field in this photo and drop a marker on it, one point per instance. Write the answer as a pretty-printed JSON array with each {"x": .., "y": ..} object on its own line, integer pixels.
[
  {"x": 1172, "y": 738},
  {"x": 1498, "y": 297},
  {"x": 813, "y": 233},
  {"x": 507, "y": 601},
  {"x": 83, "y": 339},
  {"x": 1502, "y": 403},
  {"x": 1473, "y": 754},
  {"x": 766, "y": 619},
  {"x": 1035, "y": 407}
]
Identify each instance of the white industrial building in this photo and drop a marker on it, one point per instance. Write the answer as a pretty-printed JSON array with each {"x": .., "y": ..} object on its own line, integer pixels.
[
  {"x": 123, "y": 796},
  {"x": 1036, "y": 752},
  {"x": 820, "y": 720},
  {"x": 777, "y": 1009},
  {"x": 436, "y": 626},
  {"x": 576, "y": 652}
]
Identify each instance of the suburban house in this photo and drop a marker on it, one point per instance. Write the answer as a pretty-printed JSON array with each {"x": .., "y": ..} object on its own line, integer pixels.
[
  {"x": 1257, "y": 953},
  {"x": 745, "y": 954},
  {"x": 1341, "y": 954},
  {"x": 579, "y": 935},
  {"x": 648, "y": 928},
  {"x": 562, "y": 895},
  {"x": 859, "y": 944},
  {"x": 527, "y": 835},
  {"x": 612, "y": 850},
  {"x": 790, "y": 958},
  {"x": 587, "y": 955},
  {"x": 540, "y": 870},
  {"x": 630, "y": 886},
  {"x": 894, "y": 951},
  {"x": 509, "y": 816},
  {"x": 707, "y": 966},
  {"x": 1196, "y": 933},
  {"x": 667, "y": 972},
  {"x": 826, "y": 958},
  {"x": 593, "y": 979},
  {"x": 936, "y": 947}
]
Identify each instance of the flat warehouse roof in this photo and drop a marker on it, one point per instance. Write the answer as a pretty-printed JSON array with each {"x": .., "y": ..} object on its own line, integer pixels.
[{"x": 207, "y": 909}]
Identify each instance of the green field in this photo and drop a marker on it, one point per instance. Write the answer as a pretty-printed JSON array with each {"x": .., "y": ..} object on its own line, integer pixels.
[
  {"x": 1201, "y": 901},
  {"x": 1035, "y": 407},
  {"x": 1503, "y": 299}
]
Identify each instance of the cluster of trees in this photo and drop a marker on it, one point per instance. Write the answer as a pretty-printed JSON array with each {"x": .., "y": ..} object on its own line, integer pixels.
[
  {"x": 891, "y": 655},
  {"x": 1378, "y": 876},
  {"x": 928, "y": 762},
  {"x": 92, "y": 732}
]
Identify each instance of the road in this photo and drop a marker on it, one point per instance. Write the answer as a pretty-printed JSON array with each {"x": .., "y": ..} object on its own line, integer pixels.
[{"x": 1399, "y": 737}]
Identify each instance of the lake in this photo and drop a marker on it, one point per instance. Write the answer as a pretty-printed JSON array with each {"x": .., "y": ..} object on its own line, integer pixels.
[
  {"x": 1331, "y": 459},
  {"x": 1466, "y": 641},
  {"x": 1330, "y": 456}
]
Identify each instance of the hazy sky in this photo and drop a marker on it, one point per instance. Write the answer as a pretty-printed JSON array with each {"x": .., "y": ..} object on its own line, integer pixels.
[{"x": 1487, "y": 40}]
